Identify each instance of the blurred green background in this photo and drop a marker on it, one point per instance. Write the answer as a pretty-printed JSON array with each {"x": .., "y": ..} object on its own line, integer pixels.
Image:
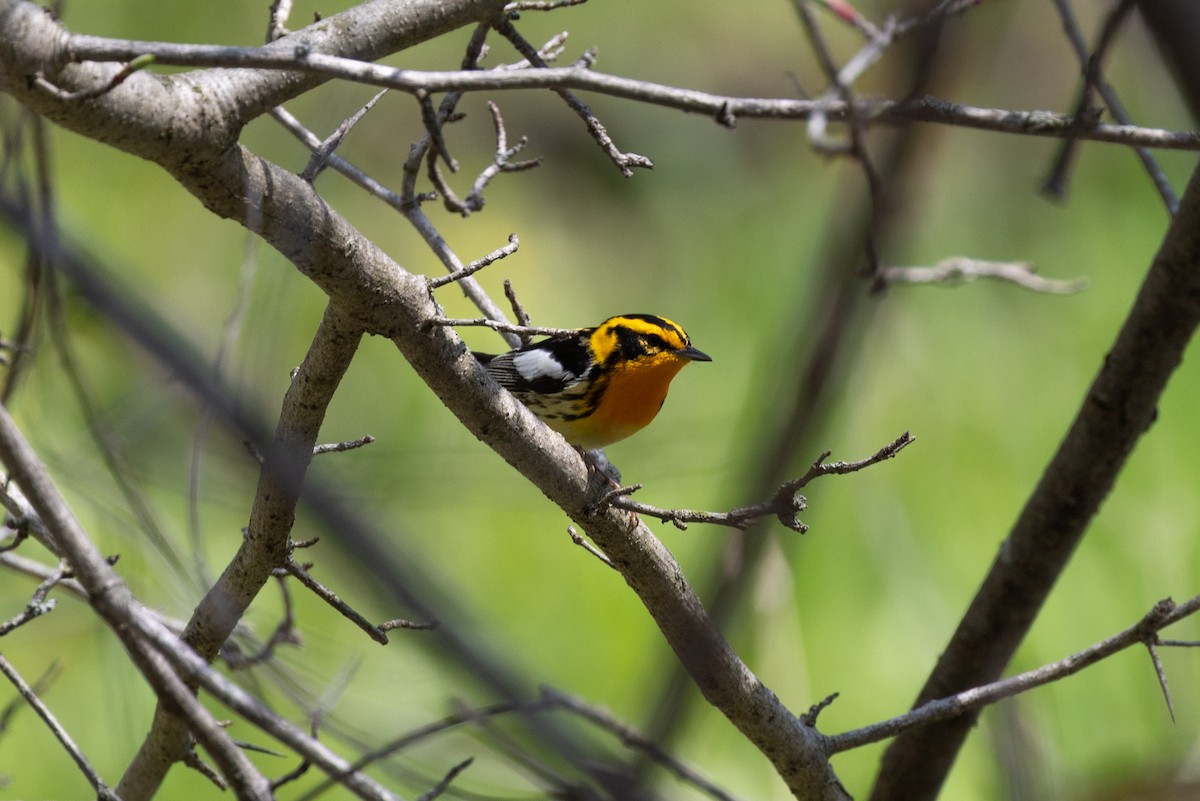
[{"x": 725, "y": 236}]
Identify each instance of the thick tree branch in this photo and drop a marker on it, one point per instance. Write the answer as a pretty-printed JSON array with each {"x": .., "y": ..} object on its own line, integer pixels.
[
  {"x": 1119, "y": 407},
  {"x": 206, "y": 109},
  {"x": 111, "y": 598},
  {"x": 1165, "y": 613},
  {"x": 266, "y": 544},
  {"x": 374, "y": 292}
]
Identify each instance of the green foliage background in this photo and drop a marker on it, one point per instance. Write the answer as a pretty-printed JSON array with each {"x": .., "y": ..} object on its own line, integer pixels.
[{"x": 724, "y": 236}]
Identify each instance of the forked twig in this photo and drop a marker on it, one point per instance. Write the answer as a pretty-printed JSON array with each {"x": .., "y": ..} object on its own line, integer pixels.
[
  {"x": 786, "y": 504},
  {"x": 625, "y": 162}
]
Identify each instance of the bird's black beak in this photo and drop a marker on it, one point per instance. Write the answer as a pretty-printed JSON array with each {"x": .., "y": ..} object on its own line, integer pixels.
[{"x": 695, "y": 355}]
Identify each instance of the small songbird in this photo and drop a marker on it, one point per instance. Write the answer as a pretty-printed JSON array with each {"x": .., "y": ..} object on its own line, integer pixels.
[{"x": 596, "y": 386}]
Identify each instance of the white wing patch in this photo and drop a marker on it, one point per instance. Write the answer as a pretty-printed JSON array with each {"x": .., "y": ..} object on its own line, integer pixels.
[{"x": 533, "y": 365}]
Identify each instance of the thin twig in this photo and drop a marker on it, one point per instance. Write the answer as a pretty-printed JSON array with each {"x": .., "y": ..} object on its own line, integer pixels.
[
  {"x": 407, "y": 202},
  {"x": 1055, "y": 184},
  {"x": 540, "y": 5},
  {"x": 22, "y": 518},
  {"x": 38, "y": 604},
  {"x": 1162, "y": 677},
  {"x": 582, "y": 542},
  {"x": 814, "y": 711},
  {"x": 410, "y": 625},
  {"x": 135, "y": 65},
  {"x": 303, "y": 768},
  {"x": 891, "y": 112},
  {"x": 339, "y": 447},
  {"x": 419, "y": 734},
  {"x": 937, "y": 14},
  {"x": 284, "y": 633},
  {"x": 551, "y": 51},
  {"x": 496, "y": 255},
  {"x": 786, "y": 504},
  {"x": 519, "y": 312},
  {"x": 625, "y": 162},
  {"x": 320, "y": 156},
  {"x": 444, "y": 783},
  {"x": 194, "y": 761},
  {"x": 410, "y": 200},
  {"x": 280, "y": 11},
  {"x": 840, "y": 81},
  {"x": 523, "y": 318},
  {"x": 43, "y": 683},
  {"x": 851, "y": 16},
  {"x": 26, "y": 692},
  {"x": 330, "y": 597},
  {"x": 502, "y": 161},
  {"x": 1164, "y": 613},
  {"x": 961, "y": 270},
  {"x": 499, "y": 325},
  {"x": 632, "y": 738}
]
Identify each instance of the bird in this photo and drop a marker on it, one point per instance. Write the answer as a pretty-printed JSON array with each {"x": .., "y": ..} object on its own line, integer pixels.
[{"x": 597, "y": 386}]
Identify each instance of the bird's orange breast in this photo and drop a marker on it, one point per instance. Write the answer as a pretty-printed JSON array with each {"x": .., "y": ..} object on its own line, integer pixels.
[{"x": 633, "y": 394}]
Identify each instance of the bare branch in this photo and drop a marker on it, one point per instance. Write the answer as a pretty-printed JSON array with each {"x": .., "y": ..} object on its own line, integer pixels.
[
  {"x": 497, "y": 325},
  {"x": 1162, "y": 676},
  {"x": 519, "y": 312},
  {"x": 339, "y": 447},
  {"x": 284, "y": 633},
  {"x": 422, "y": 733},
  {"x": 280, "y": 11},
  {"x": 1055, "y": 185},
  {"x": 814, "y": 711},
  {"x": 540, "y": 5},
  {"x": 1164, "y": 613},
  {"x": 102, "y": 790},
  {"x": 919, "y": 109},
  {"x": 961, "y": 270},
  {"x": 858, "y": 143},
  {"x": 237, "y": 699},
  {"x": 496, "y": 255},
  {"x": 582, "y": 542},
  {"x": 38, "y": 604},
  {"x": 785, "y": 505},
  {"x": 111, "y": 598},
  {"x": 631, "y": 738},
  {"x": 1118, "y": 408},
  {"x": 330, "y": 597},
  {"x": 43, "y": 683},
  {"x": 444, "y": 783},
  {"x": 502, "y": 161},
  {"x": 195, "y": 762},
  {"x": 135, "y": 65},
  {"x": 410, "y": 625},
  {"x": 625, "y": 162},
  {"x": 320, "y": 156}
]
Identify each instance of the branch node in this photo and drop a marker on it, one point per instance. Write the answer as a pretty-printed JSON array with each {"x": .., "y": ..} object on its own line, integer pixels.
[{"x": 725, "y": 117}]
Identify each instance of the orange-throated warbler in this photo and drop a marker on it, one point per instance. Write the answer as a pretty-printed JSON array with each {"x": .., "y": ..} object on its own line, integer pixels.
[{"x": 596, "y": 386}]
